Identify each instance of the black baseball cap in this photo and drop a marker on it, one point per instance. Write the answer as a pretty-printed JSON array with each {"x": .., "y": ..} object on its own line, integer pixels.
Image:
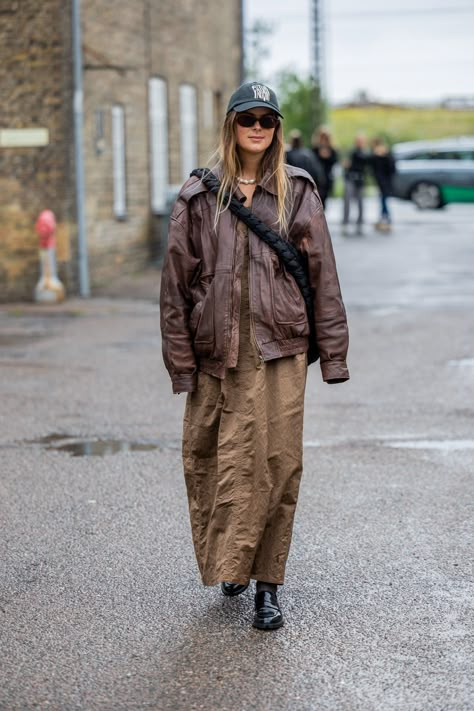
[{"x": 252, "y": 95}]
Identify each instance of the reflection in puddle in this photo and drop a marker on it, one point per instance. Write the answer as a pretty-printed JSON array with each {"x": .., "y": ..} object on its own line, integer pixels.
[
  {"x": 443, "y": 445},
  {"x": 91, "y": 447}
]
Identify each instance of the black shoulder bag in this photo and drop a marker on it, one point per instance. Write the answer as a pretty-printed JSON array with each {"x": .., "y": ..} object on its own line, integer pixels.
[{"x": 293, "y": 260}]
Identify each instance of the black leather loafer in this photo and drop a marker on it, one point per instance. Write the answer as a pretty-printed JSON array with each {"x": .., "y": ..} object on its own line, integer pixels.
[
  {"x": 233, "y": 589},
  {"x": 268, "y": 615}
]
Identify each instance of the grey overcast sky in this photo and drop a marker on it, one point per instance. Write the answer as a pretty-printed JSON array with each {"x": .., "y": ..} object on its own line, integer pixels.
[{"x": 412, "y": 50}]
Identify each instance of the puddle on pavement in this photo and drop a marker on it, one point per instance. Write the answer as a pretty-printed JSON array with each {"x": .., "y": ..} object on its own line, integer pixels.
[
  {"x": 7, "y": 340},
  {"x": 442, "y": 445},
  {"x": 91, "y": 447},
  {"x": 462, "y": 363},
  {"x": 384, "y": 311},
  {"x": 102, "y": 447},
  {"x": 50, "y": 439}
]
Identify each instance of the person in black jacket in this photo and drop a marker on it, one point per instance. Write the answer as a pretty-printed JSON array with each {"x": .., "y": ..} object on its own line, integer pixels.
[
  {"x": 354, "y": 181},
  {"x": 382, "y": 164},
  {"x": 327, "y": 156},
  {"x": 301, "y": 157}
]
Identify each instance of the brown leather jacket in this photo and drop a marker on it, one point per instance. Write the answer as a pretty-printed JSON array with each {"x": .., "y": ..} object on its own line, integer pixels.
[{"x": 200, "y": 287}]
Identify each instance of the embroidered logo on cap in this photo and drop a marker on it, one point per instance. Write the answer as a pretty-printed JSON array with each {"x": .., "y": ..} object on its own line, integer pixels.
[{"x": 261, "y": 92}]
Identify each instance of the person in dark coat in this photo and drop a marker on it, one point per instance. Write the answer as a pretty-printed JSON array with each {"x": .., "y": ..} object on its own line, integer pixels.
[
  {"x": 300, "y": 157},
  {"x": 327, "y": 156},
  {"x": 354, "y": 182},
  {"x": 382, "y": 164}
]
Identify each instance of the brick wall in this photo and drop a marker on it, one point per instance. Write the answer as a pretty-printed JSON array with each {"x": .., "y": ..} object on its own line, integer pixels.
[
  {"x": 115, "y": 73},
  {"x": 125, "y": 43},
  {"x": 197, "y": 43},
  {"x": 35, "y": 86}
]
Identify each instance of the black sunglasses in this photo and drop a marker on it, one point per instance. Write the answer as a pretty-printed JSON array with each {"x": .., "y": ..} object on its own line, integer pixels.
[{"x": 265, "y": 121}]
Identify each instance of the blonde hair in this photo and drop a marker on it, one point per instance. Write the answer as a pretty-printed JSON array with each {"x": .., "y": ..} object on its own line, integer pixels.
[{"x": 272, "y": 162}]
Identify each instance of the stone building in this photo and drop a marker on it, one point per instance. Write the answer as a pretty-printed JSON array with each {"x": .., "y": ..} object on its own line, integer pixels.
[{"x": 156, "y": 78}]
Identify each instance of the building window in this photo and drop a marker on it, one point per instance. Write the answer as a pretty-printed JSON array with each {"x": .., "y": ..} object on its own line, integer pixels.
[
  {"x": 158, "y": 119},
  {"x": 118, "y": 157},
  {"x": 188, "y": 123}
]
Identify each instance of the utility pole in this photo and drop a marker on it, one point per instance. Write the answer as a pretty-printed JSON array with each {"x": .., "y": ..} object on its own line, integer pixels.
[{"x": 317, "y": 50}]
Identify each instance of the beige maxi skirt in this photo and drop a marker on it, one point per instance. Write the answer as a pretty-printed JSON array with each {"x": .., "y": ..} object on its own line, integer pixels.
[{"x": 242, "y": 457}]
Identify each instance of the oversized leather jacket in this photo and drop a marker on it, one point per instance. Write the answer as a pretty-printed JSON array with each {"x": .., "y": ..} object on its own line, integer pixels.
[{"x": 200, "y": 287}]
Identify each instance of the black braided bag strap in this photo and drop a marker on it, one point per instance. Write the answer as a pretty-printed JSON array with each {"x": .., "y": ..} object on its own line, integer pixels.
[{"x": 292, "y": 259}]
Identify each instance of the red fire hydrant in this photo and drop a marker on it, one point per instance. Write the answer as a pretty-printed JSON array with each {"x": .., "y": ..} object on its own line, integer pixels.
[{"x": 49, "y": 288}]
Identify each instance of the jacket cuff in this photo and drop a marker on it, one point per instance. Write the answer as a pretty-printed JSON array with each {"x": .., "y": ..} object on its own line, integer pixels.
[
  {"x": 184, "y": 383},
  {"x": 334, "y": 371}
]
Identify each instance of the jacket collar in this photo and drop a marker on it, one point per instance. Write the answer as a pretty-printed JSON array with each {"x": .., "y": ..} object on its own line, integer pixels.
[{"x": 267, "y": 183}]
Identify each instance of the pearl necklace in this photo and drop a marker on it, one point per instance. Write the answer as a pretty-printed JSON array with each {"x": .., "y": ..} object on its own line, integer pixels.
[{"x": 247, "y": 181}]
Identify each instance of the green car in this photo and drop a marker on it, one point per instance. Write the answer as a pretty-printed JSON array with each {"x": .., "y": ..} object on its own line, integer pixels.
[{"x": 434, "y": 173}]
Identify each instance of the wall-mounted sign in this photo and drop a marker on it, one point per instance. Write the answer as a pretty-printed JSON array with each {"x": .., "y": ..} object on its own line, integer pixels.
[{"x": 23, "y": 137}]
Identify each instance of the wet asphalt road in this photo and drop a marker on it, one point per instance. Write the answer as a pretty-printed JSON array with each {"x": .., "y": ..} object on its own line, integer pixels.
[{"x": 100, "y": 601}]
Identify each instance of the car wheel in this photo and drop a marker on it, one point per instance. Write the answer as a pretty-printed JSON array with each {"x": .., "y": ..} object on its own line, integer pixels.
[{"x": 426, "y": 196}]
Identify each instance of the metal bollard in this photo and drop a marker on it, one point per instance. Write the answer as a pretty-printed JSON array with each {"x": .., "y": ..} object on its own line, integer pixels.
[{"x": 48, "y": 289}]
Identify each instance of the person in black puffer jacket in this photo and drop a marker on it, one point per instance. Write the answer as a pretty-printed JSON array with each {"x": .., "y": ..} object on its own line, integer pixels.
[{"x": 328, "y": 156}]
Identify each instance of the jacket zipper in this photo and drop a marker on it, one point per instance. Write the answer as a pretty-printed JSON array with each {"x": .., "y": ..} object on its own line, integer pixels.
[
  {"x": 228, "y": 344},
  {"x": 252, "y": 322}
]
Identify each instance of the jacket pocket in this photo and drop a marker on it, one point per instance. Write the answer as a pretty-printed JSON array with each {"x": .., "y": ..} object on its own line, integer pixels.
[
  {"x": 287, "y": 301},
  {"x": 201, "y": 320}
]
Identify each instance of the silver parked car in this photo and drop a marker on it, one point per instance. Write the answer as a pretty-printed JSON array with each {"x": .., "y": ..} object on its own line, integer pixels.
[{"x": 434, "y": 173}]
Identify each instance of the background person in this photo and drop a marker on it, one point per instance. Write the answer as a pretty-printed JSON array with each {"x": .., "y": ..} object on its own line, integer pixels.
[
  {"x": 354, "y": 182},
  {"x": 301, "y": 157},
  {"x": 235, "y": 337},
  {"x": 328, "y": 157},
  {"x": 382, "y": 164}
]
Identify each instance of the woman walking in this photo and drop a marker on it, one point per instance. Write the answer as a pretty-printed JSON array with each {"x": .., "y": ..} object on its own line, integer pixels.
[{"x": 235, "y": 338}]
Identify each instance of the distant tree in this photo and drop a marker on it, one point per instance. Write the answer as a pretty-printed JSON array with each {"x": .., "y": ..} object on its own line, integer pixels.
[
  {"x": 256, "y": 47},
  {"x": 301, "y": 103}
]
